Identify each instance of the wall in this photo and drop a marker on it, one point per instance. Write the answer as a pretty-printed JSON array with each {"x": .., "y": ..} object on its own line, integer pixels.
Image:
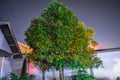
[
  {"x": 111, "y": 65},
  {"x": 17, "y": 65},
  {"x": 110, "y": 69},
  {"x": 5, "y": 66}
]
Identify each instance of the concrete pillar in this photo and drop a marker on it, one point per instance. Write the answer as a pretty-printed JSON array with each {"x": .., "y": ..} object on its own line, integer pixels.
[{"x": 17, "y": 65}]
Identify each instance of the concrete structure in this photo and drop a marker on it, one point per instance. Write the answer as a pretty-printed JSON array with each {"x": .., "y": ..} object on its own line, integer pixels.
[
  {"x": 11, "y": 59},
  {"x": 110, "y": 69}
]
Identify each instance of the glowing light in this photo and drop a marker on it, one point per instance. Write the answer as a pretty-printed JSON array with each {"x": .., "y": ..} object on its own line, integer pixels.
[
  {"x": 98, "y": 47},
  {"x": 24, "y": 48},
  {"x": 32, "y": 69}
]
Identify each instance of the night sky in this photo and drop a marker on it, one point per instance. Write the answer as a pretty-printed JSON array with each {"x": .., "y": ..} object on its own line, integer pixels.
[{"x": 102, "y": 15}]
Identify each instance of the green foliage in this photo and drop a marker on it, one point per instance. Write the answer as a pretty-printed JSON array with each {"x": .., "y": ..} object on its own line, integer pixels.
[
  {"x": 3, "y": 78},
  {"x": 58, "y": 39},
  {"x": 25, "y": 76},
  {"x": 83, "y": 75},
  {"x": 14, "y": 76}
]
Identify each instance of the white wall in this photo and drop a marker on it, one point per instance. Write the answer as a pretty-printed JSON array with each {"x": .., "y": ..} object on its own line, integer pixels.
[
  {"x": 7, "y": 67},
  {"x": 3, "y": 43},
  {"x": 111, "y": 65}
]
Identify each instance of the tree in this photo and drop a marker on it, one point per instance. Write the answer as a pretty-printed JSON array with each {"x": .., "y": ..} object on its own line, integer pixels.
[{"x": 59, "y": 39}]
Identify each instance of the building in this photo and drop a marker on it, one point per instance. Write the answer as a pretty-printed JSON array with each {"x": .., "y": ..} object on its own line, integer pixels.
[
  {"x": 11, "y": 59},
  {"x": 110, "y": 69}
]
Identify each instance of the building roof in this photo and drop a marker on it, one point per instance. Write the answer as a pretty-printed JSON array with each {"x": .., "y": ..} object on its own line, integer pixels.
[
  {"x": 107, "y": 50},
  {"x": 10, "y": 38}
]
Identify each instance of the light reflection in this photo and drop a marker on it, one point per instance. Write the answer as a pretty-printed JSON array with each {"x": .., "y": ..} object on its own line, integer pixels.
[{"x": 32, "y": 69}]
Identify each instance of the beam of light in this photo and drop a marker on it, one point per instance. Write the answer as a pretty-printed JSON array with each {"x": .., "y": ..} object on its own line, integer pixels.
[
  {"x": 32, "y": 69},
  {"x": 24, "y": 48}
]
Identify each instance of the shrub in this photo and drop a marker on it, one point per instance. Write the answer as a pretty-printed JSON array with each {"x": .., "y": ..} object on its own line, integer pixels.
[{"x": 24, "y": 76}]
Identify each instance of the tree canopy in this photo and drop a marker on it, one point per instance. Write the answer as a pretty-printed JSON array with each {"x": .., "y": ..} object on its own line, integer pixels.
[{"x": 59, "y": 39}]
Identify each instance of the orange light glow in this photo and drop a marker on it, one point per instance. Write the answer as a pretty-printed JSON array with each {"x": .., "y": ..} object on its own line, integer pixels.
[
  {"x": 31, "y": 69},
  {"x": 97, "y": 47},
  {"x": 24, "y": 48}
]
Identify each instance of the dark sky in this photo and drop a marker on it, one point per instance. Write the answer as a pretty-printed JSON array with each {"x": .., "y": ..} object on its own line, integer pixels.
[{"x": 102, "y": 15}]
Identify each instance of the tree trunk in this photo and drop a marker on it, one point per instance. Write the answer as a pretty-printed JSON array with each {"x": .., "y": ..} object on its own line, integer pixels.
[
  {"x": 43, "y": 75},
  {"x": 61, "y": 74}
]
